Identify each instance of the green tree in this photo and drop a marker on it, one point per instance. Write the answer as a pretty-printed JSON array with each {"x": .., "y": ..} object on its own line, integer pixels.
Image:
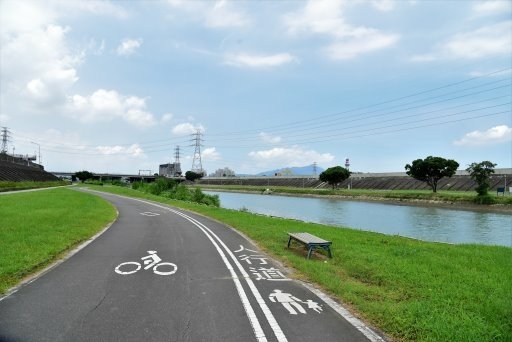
[
  {"x": 192, "y": 176},
  {"x": 481, "y": 174},
  {"x": 431, "y": 170},
  {"x": 84, "y": 175},
  {"x": 334, "y": 175}
]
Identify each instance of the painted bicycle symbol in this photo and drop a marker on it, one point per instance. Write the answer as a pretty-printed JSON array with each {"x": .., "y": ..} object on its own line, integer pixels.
[{"x": 151, "y": 261}]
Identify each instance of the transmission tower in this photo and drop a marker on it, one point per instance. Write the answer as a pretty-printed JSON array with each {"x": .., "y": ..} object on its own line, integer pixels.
[
  {"x": 197, "y": 165},
  {"x": 6, "y": 135},
  {"x": 314, "y": 168}
]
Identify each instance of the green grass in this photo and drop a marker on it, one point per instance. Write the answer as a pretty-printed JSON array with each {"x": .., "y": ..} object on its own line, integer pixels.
[
  {"x": 36, "y": 227},
  {"x": 412, "y": 290},
  {"x": 11, "y": 186},
  {"x": 399, "y": 195}
]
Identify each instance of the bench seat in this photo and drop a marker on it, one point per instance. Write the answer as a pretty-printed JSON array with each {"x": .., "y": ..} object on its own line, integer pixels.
[{"x": 312, "y": 242}]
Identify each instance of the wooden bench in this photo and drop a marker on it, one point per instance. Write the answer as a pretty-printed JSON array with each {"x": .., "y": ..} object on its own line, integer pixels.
[{"x": 312, "y": 242}]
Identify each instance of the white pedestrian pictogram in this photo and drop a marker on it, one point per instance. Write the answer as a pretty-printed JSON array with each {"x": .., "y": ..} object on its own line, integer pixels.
[
  {"x": 292, "y": 303},
  {"x": 151, "y": 261}
]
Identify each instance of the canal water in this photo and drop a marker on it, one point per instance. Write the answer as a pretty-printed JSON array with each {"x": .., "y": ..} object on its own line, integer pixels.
[{"x": 424, "y": 223}]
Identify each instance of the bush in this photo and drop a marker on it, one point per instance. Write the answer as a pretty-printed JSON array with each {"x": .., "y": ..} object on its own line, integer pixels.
[{"x": 484, "y": 199}]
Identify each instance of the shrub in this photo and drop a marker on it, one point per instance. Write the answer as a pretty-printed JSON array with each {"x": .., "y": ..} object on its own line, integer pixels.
[{"x": 484, "y": 199}]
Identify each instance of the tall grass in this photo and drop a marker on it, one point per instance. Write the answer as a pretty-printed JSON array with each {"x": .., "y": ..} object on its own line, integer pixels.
[{"x": 171, "y": 189}]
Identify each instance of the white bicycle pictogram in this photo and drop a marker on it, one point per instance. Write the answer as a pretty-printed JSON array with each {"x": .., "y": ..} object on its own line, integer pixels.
[{"x": 151, "y": 261}]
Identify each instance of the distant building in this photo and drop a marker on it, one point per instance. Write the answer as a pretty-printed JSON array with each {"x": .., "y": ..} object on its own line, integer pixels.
[
  {"x": 225, "y": 172},
  {"x": 170, "y": 170}
]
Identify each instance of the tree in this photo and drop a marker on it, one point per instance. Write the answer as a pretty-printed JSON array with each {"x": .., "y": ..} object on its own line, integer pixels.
[
  {"x": 192, "y": 176},
  {"x": 84, "y": 175},
  {"x": 334, "y": 175},
  {"x": 481, "y": 174},
  {"x": 431, "y": 170}
]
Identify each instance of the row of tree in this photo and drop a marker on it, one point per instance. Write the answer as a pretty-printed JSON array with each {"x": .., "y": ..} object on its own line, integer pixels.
[{"x": 429, "y": 170}]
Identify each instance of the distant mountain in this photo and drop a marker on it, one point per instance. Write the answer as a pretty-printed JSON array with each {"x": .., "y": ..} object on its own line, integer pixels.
[{"x": 293, "y": 171}]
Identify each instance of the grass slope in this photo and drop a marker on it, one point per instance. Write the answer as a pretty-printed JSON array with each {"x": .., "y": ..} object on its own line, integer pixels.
[
  {"x": 36, "y": 227},
  {"x": 412, "y": 290},
  {"x": 11, "y": 186}
]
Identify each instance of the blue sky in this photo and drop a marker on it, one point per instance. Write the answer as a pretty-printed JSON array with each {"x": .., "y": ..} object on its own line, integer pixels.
[{"x": 115, "y": 86}]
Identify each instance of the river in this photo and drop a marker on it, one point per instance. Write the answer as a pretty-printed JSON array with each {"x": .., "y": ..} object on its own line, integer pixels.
[{"x": 424, "y": 223}]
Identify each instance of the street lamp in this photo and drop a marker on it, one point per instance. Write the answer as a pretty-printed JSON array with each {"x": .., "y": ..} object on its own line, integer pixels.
[{"x": 39, "y": 151}]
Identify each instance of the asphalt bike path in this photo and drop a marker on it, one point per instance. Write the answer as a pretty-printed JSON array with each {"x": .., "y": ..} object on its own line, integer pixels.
[{"x": 163, "y": 274}]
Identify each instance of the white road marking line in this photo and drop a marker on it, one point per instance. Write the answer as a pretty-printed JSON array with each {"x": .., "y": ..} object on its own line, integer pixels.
[{"x": 266, "y": 311}]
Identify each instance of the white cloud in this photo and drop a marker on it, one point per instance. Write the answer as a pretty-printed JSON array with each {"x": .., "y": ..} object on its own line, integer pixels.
[
  {"x": 486, "y": 41},
  {"x": 327, "y": 18},
  {"x": 210, "y": 154},
  {"x": 167, "y": 117},
  {"x": 224, "y": 15},
  {"x": 134, "y": 150},
  {"x": 186, "y": 128},
  {"x": 4, "y": 118},
  {"x": 128, "y": 46},
  {"x": 106, "y": 105},
  {"x": 371, "y": 40},
  {"x": 219, "y": 14},
  {"x": 290, "y": 156},
  {"x": 269, "y": 139},
  {"x": 384, "y": 5},
  {"x": 494, "y": 135},
  {"x": 490, "y": 7},
  {"x": 259, "y": 61}
]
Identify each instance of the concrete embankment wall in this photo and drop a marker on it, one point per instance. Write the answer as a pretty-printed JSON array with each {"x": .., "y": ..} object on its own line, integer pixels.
[
  {"x": 390, "y": 181},
  {"x": 16, "y": 172}
]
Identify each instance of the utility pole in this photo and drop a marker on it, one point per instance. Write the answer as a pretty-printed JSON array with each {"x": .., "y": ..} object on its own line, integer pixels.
[
  {"x": 197, "y": 165},
  {"x": 6, "y": 135}
]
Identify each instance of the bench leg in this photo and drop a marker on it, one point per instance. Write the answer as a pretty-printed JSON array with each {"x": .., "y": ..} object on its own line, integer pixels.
[
  {"x": 289, "y": 241},
  {"x": 309, "y": 252},
  {"x": 329, "y": 251}
]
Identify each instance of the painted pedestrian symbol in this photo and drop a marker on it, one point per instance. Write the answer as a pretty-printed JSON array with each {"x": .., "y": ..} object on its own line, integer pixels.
[
  {"x": 292, "y": 303},
  {"x": 151, "y": 261}
]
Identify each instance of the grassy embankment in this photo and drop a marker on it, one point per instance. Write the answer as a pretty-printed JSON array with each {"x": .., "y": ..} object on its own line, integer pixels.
[
  {"x": 37, "y": 227},
  {"x": 411, "y": 290},
  {"x": 11, "y": 186},
  {"x": 398, "y": 195}
]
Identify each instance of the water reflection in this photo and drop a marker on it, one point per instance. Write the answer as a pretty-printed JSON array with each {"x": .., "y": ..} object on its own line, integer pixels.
[{"x": 425, "y": 223}]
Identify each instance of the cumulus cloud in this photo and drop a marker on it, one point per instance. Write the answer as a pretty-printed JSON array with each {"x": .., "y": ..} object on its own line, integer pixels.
[
  {"x": 483, "y": 42},
  {"x": 494, "y": 135},
  {"x": 490, "y": 7},
  {"x": 219, "y": 14},
  {"x": 128, "y": 46},
  {"x": 167, "y": 117},
  {"x": 187, "y": 128},
  {"x": 292, "y": 156},
  {"x": 327, "y": 18},
  {"x": 106, "y": 105},
  {"x": 134, "y": 150},
  {"x": 210, "y": 154},
  {"x": 259, "y": 61},
  {"x": 269, "y": 139}
]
